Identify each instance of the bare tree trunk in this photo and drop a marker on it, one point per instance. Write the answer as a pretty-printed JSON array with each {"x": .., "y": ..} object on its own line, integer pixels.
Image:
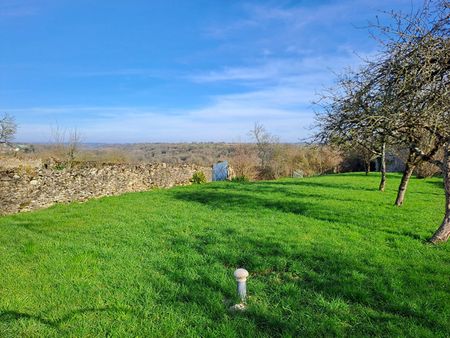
[
  {"x": 367, "y": 165},
  {"x": 383, "y": 167},
  {"x": 442, "y": 234},
  {"x": 409, "y": 169}
]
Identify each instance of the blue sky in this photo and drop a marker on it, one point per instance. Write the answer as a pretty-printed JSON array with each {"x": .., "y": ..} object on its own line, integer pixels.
[{"x": 176, "y": 71}]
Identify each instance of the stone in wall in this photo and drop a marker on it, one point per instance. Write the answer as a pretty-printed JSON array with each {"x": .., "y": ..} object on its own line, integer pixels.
[{"x": 25, "y": 188}]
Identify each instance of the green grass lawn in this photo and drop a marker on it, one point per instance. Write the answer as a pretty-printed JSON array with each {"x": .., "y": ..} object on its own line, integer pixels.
[{"x": 327, "y": 256}]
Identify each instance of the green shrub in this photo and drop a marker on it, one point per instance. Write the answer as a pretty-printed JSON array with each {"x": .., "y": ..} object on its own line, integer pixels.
[
  {"x": 198, "y": 177},
  {"x": 60, "y": 166},
  {"x": 240, "y": 179},
  {"x": 25, "y": 169}
]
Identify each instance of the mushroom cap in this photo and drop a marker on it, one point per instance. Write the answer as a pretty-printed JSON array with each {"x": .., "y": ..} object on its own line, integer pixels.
[{"x": 241, "y": 274}]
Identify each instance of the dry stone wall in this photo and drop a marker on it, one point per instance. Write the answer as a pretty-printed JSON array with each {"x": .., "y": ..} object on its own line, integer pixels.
[{"x": 26, "y": 187}]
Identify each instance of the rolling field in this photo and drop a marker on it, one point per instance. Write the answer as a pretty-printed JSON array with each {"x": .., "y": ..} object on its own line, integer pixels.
[{"x": 327, "y": 256}]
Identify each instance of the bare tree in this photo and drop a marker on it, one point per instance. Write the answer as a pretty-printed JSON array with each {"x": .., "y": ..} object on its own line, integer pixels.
[
  {"x": 354, "y": 117},
  {"x": 8, "y": 128},
  {"x": 73, "y": 144},
  {"x": 417, "y": 70},
  {"x": 442, "y": 234},
  {"x": 244, "y": 161},
  {"x": 414, "y": 68},
  {"x": 266, "y": 146},
  {"x": 66, "y": 143},
  {"x": 410, "y": 104}
]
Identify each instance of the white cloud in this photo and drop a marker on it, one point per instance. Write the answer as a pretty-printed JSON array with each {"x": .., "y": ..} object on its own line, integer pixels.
[
  {"x": 227, "y": 118},
  {"x": 295, "y": 18},
  {"x": 237, "y": 73},
  {"x": 134, "y": 72},
  {"x": 17, "y": 8},
  {"x": 286, "y": 69},
  {"x": 278, "y": 90},
  {"x": 280, "y": 97}
]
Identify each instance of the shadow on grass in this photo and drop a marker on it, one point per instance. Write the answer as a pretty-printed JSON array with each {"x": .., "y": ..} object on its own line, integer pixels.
[
  {"x": 201, "y": 290},
  {"x": 297, "y": 193},
  {"x": 35, "y": 227},
  {"x": 251, "y": 197},
  {"x": 325, "y": 274},
  {"x": 296, "y": 203},
  {"x": 339, "y": 185},
  {"x": 239, "y": 201},
  {"x": 9, "y": 315},
  {"x": 439, "y": 184}
]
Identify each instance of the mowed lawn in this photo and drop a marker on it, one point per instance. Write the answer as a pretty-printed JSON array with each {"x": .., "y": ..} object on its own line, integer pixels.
[{"x": 327, "y": 256}]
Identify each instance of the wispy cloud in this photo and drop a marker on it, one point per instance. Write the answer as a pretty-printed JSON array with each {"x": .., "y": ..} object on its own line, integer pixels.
[
  {"x": 237, "y": 73},
  {"x": 293, "y": 18},
  {"x": 135, "y": 72},
  {"x": 281, "y": 69},
  {"x": 297, "y": 17},
  {"x": 279, "y": 94},
  {"x": 226, "y": 118},
  {"x": 263, "y": 62},
  {"x": 17, "y": 8}
]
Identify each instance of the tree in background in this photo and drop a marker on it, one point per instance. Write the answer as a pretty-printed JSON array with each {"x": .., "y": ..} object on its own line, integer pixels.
[
  {"x": 244, "y": 161},
  {"x": 415, "y": 68},
  {"x": 402, "y": 96},
  {"x": 354, "y": 117},
  {"x": 8, "y": 128},
  {"x": 65, "y": 144},
  {"x": 266, "y": 147}
]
